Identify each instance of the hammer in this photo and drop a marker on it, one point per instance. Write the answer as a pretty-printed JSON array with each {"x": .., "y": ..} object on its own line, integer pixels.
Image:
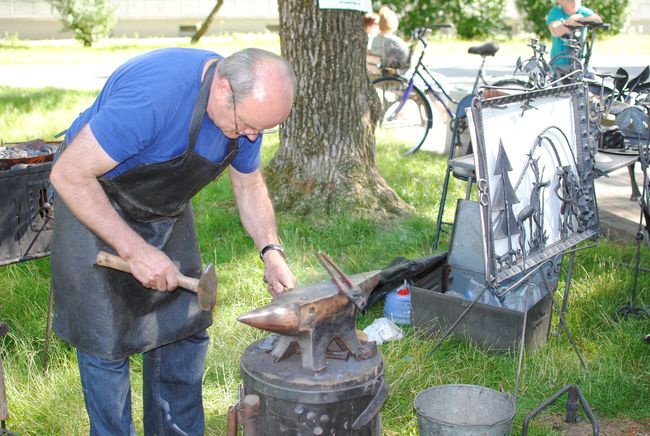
[{"x": 204, "y": 287}]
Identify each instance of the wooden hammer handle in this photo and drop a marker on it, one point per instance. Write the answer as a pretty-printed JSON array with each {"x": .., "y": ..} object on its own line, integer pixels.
[{"x": 116, "y": 262}]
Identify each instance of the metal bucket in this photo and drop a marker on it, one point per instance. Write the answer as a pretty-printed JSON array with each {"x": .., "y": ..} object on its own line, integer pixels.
[{"x": 463, "y": 410}]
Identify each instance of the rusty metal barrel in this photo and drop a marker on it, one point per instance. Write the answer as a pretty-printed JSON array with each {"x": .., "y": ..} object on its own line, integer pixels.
[{"x": 344, "y": 399}]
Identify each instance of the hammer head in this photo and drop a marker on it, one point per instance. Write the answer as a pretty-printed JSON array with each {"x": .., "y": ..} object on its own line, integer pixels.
[{"x": 206, "y": 290}]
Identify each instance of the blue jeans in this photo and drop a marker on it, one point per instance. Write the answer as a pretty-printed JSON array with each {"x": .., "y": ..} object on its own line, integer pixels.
[{"x": 172, "y": 391}]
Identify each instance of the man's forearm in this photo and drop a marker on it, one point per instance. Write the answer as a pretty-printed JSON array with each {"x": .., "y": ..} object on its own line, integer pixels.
[
  {"x": 74, "y": 176},
  {"x": 87, "y": 201},
  {"x": 255, "y": 208}
]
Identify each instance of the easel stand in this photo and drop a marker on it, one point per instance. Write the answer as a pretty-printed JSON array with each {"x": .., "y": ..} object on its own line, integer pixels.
[
  {"x": 525, "y": 280},
  {"x": 632, "y": 309},
  {"x": 574, "y": 394}
]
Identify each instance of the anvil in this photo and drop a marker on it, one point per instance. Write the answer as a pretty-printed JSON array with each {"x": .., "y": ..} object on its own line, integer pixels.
[{"x": 318, "y": 320}]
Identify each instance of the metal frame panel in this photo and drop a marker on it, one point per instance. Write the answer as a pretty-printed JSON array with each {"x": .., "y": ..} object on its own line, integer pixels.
[{"x": 534, "y": 162}]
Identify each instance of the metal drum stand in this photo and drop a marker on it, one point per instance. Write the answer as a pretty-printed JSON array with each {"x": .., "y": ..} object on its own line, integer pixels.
[{"x": 4, "y": 411}]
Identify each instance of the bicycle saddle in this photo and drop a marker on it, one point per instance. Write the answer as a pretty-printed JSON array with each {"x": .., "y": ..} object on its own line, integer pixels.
[{"x": 487, "y": 49}]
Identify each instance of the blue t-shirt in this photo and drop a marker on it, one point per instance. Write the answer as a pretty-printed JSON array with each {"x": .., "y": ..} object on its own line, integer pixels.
[
  {"x": 557, "y": 13},
  {"x": 142, "y": 115}
]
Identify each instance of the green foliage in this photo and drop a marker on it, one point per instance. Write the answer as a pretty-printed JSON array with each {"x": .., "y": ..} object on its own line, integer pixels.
[
  {"x": 613, "y": 12},
  {"x": 89, "y": 20},
  {"x": 477, "y": 18},
  {"x": 472, "y": 18},
  {"x": 414, "y": 13},
  {"x": 534, "y": 13}
]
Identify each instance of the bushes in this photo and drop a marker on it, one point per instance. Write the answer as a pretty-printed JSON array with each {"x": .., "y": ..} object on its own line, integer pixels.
[
  {"x": 471, "y": 18},
  {"x": 89, "y": 20},
  {"x": 534, "y": 13},
  {"x": 479, "y": 18}
]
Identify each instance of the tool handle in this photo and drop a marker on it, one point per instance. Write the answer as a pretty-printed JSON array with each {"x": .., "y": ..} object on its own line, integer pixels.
[
  {"x": 231, "y": 429},
  {"x": 112, "y": 261},
  {"x": 118, "y": 263},
  {"x": 189, "y": 283}
]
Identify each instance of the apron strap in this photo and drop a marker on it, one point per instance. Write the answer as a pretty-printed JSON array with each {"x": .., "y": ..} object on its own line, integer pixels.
[{"x": 199, "y": 107}]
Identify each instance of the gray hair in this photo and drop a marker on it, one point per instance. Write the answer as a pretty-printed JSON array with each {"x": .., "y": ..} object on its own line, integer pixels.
[{"x": 241, "y": 72}]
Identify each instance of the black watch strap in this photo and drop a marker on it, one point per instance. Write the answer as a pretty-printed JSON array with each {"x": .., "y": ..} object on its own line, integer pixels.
[{"x": 270, "y": 247}]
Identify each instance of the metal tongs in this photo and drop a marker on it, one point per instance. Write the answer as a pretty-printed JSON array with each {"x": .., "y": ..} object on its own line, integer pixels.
[{"x": 354, "y": 292}]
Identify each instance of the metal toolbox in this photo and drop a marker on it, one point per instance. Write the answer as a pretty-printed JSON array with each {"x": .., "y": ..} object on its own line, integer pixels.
[
  {"x": 498, "y": 328},
  {"x": 495, "y": 327}
]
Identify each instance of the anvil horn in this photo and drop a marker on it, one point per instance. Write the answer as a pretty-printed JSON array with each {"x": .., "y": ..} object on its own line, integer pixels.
[{"x": 275, "y": 318}]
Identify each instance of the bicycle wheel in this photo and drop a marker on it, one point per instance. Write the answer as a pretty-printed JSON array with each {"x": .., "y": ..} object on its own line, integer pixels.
[{"x": 404, "y": 123}]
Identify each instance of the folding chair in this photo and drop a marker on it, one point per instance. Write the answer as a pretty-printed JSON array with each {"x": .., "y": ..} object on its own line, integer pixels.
[{"x": 461, "y": 167}]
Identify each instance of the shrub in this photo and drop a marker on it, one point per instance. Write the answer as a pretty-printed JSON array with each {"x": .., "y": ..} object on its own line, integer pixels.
[
  {"x": 471, "y": 18},
  {"x": 89, "y": 20},
  {"x": 534, "y": 13},
  {"x": 477, "y": 18}
]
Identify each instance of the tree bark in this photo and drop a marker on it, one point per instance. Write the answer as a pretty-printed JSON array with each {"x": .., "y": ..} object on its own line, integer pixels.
[
  {"x": 326, "y": 159},
  {"x": 206, "y": 23}
]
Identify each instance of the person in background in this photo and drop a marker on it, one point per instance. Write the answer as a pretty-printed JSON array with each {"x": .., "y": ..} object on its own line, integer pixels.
[
  {"x": 567, "y": 13},
  {"x": 371, "y": 26},
  {"x": 390, "y": 48}
]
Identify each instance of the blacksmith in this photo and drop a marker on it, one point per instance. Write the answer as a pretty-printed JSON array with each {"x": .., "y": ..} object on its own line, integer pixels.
[{"x": 165, "y": 124}]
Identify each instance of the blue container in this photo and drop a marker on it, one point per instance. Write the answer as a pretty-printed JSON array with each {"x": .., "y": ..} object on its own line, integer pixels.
[{"x": 397, "y": 306}]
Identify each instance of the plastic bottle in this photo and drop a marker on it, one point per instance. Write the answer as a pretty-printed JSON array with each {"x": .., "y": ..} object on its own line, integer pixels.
[{"x": 397, "y": 306}]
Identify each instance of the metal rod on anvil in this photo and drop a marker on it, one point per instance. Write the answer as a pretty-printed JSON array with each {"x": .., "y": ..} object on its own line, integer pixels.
[
  {"x": 345, "y": 278},
  {"x": 349, "y": 289},
  {"x": 329, "y": 268}
]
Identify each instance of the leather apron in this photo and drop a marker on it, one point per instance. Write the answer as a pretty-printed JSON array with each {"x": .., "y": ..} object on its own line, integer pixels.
[{"x": 107, "y": 313}]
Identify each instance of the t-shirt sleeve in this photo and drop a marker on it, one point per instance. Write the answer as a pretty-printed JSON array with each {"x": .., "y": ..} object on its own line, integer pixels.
[
  {"x": 586, "y": 12},
  {"x": 553, "y": 15},
  {"x": 248, "y": 157},
  {"x": 125, "y": 124}
]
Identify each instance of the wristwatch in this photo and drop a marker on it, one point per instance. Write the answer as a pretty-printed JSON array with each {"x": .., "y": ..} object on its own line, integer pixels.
[{"x": 270, "y": 247}]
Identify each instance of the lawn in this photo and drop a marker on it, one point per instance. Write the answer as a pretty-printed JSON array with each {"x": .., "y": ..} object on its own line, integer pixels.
[{"x": 43, "y": 402}]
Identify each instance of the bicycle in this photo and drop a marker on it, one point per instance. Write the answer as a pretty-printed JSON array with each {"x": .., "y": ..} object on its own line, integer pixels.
[
  {"x": 408, "y": 103},
  {"x": 569, "y": 66}
]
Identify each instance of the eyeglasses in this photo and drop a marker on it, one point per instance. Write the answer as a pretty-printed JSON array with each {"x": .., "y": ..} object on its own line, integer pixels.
[{"x": 249, "y": 131}]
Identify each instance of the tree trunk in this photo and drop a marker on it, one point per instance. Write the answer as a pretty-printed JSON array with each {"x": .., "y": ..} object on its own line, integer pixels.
[
  {"x": 206, "y": 23},
  {"x": 326, "y": 160}
]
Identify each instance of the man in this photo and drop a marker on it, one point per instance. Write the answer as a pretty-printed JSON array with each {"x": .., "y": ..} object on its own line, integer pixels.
[
  {"x": 567, "y": 13},
  {"x": 165, "y": 124}
]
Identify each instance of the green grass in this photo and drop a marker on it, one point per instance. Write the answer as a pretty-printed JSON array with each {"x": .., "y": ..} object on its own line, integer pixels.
[{"x": 44, "y": 402}]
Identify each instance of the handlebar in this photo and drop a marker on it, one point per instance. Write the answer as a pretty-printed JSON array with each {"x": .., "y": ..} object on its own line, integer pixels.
[
  {"x": 420, "y": 32},
  {"x": 589, "y": 25}
]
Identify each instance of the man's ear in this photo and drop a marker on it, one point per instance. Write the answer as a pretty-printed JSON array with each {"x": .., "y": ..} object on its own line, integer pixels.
[{"x": 223, "y": 86}]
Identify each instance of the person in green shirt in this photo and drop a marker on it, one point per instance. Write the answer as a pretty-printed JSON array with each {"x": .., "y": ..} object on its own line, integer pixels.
[{"x": 567, "y": 13}]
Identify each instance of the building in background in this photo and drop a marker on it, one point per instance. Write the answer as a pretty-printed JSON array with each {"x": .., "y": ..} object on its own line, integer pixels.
[{"x": 37, "y": 19}]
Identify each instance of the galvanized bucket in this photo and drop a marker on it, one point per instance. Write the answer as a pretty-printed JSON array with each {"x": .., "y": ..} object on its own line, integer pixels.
[{"x": 463, "y": 410}]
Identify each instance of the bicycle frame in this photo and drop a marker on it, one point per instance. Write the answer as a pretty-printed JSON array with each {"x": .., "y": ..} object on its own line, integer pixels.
[{"x": 418, "y": 70}]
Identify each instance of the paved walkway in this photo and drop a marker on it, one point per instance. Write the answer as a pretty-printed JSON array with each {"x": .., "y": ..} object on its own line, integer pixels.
[{"x": 619, "y": 215}]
